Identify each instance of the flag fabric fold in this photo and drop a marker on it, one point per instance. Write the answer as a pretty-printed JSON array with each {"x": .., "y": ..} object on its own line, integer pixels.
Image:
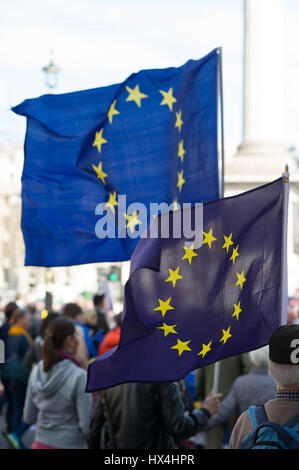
[
  {"x": 152, "y": 138},
  {"x": 186, "y": 307}
]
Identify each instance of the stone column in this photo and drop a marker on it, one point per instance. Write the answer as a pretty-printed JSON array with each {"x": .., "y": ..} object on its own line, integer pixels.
[{"x": 263, "y": 68}]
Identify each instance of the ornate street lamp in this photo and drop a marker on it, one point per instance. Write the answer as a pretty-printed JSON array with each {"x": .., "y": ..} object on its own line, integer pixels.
[{"x": 51, "y": 72}]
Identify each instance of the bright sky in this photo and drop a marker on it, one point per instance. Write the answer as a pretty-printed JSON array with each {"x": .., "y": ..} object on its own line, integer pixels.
[{"x": 100, "y": 42}]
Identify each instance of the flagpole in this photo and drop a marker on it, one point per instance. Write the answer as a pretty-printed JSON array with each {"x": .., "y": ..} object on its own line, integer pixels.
[
  {"x": 221, "y": 118},
  {"x": 284, "y": 268},
  {"x": 221, "y": 181}
]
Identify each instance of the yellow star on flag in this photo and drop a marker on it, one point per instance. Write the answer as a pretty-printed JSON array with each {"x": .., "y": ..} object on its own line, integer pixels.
[
  {"x": 182, "y": 346},
  {"x": 168, "y": 98},
  {"x": 228, "y": 242},
  {"x": 112, "y": 201},
  {"x": 99, "y": 140},
  {"x": 179, "y": 122},
  {"x": 205, "y": 348},
  {"x": 132, "y": 221},
  {"x": 112, "y": 111},
  {"x": 235, "y": 254},
  {"x": 189, "y": 253},
  {"x": 209, "y": 238},
  {"x": 181, "y": 180},
  {"x": 174, "y": 276},
  {"x": 135, "y": 95},
  {"x": 164, "y": 306},
  {"x": 181, "y": 150},
  {"x": 237, "y": 310},
  {"x": 100, "y": 173},
  {"x": 226, "y": 335},
  {"x": 167, "y": 329},
  {"x": 241, "y": 279}
]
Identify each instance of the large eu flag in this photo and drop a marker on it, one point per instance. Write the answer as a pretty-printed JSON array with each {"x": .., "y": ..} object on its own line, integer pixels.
[
  {"x": 152, "y": 138},
  {"x": 186, "y": 307}
]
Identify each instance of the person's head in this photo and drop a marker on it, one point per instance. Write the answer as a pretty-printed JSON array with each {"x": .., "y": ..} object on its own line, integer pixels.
[
  {"x": 284, "y": 356},
  {"x": 60, "y": 335},
  {"x": 98, "y": 300},
  {"x": 9, "y": 310},
  {"x": 73, "y": 311},
  {"x": 46, "y": 322},
  {"x": 260, "y": 357},
  {"x": 90, "y": 317},
  {"x": 21, "y": 318}
]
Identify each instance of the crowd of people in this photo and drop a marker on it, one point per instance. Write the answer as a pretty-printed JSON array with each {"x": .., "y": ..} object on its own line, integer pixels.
[{"x": 43, "y": 379}]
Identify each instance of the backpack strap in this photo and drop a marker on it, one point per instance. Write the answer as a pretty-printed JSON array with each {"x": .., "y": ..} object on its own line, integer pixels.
[
  {"x": 257, "y": 415},
  {"x": 260, "y": 415},
  {"x": 261, "y": 420}
]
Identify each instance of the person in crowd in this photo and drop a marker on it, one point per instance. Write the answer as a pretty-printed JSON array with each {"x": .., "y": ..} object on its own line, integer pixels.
[
  {"x": 91, "y": 322},
  {"x": 111, "y": 338},
  {"x": 16, "y": 375},
  {"x": 8, "y": 312},
  {"x": 34, "y": 354},
  {"x": 56, "y": 400},
  {"x": 229, "y": 370},
  {"x": 98, "y": 302},
  {"x": 254, "y": 388},
  {"x": 146, "y": 416},
  {"x": 284, "y": 368},
  {"x": 73, "y": 311},
  {"x": 35, "y": 320},
  {"x": 88, "y": 329}
]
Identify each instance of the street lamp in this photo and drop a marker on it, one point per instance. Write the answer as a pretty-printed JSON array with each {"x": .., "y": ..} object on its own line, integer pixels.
[
  {"x": 51, "y": 72},
  {"x": 51, "y": 79}
]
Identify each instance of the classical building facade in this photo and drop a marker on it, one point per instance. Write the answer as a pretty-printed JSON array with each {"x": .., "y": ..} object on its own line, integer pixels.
[{"x": 261, "y": 156}]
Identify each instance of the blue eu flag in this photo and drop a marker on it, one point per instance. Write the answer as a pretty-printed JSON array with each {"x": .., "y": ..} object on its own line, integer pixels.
[
  {"x": 187, "y": 307},
  {"x": 152, "y": 139}
]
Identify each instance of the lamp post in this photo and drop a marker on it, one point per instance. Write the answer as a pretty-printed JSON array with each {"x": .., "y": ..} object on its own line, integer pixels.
[{"x": 51, "y": 72}]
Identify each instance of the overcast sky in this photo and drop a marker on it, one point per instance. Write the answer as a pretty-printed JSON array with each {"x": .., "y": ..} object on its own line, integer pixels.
[{"x": 100, "y": 42}]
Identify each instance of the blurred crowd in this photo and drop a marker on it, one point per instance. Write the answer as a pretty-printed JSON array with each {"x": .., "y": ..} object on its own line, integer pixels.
[{"x": 43, "y": 379}]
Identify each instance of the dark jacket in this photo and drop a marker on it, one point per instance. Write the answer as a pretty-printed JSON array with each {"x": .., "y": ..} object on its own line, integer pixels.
[
  {"x": 15, "y": 350},
  {"x": 4, "y": 331},
  {"x": 143, "y": 416}
]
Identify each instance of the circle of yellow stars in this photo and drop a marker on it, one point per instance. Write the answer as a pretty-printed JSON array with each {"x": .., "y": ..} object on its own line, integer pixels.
[
  {"x": 174, "y": 276},
  {"x": 136, "y": 96}
]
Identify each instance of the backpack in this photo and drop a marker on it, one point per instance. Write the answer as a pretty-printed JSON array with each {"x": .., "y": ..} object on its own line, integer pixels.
[{"x": 268, "y": 435}]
